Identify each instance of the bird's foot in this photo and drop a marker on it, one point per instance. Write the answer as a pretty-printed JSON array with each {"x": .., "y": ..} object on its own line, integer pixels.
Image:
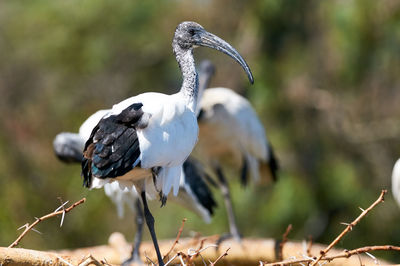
[
  {"x": 227, "y": 236},
  {"x": 134, "y": 260}
]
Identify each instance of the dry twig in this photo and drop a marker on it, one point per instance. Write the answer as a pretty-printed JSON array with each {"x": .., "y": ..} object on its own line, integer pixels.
[
  {"x": 284, "y": 240},
  {"x": 349, "y": 227},
  {"x": 177, "y": 238},
  {"x": 47, "y": 216},
  {"x": 220, "y": 257},
  {"x": 309, "y": 246}
]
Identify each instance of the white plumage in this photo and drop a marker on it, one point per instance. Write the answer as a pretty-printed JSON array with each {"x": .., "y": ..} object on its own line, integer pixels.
[
  {"x": 166, "y": 141},
  {"x": 231, "y": 136},
  {"x": 69, "y": 146},
  {"x": 122, "y": 195},
  {"x": 396, "y": 181},
  {"x": 230, "y": 131},
  {"x": 147, "y": 138}
]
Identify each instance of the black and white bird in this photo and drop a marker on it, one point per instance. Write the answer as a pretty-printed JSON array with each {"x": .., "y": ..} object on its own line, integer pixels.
[
  {"x": 232, "y": 136},
  {"x": 194, "y": 193},
  {"x": 144, "y": 140},
  {"x": 396, "y": 181}
]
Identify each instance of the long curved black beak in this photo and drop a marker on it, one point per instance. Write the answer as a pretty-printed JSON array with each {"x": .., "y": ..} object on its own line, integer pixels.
[{"x": 204, "y": 38}]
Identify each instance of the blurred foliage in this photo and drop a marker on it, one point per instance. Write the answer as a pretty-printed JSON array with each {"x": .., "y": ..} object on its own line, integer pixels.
[{"x": 326, "y": 87}]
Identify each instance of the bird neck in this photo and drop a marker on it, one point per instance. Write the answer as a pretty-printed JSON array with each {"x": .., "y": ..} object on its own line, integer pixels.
[{"x": 190, "y": 84}]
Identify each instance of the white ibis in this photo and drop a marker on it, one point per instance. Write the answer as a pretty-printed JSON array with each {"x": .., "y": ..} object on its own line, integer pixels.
[
  {"x": 194, "y": 193},
  {"x": 396, "y": 181},
  {"x": 231, "y": 135},
  {"x": 146, "y": 138}
]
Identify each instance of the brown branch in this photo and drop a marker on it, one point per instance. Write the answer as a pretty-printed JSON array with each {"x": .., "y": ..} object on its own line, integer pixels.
[
  {"x": 220, "y": 257},
  {"x": 47, "y": 216},
  {"x": 345, "y": 254},
  {"x": 177, "y": 238},
  {"x": 284, "y": 240},
  {"x": 349, "y": 227},
  {"x": 309, "y": 246}
]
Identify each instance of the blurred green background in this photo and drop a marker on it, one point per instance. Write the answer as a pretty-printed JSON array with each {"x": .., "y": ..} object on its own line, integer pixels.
[{"x": 327, "y": 78}]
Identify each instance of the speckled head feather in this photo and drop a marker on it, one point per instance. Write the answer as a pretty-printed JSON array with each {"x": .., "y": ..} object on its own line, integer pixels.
[{"x": 189, "y": 35}]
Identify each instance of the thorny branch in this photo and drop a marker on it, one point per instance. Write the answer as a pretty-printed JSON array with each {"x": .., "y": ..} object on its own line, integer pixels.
[
  {"x": 220, "y": 257},
  {"x": 349, "y": 227},
  {"x": 188, "y": 258},
  {"x": 309, "y": 259},
  {"x": 284, "y": 240},
  {"x": 47, "y": 216},
  {"x": 177, "y": 238},
  {"x": 344, "y": 254}
]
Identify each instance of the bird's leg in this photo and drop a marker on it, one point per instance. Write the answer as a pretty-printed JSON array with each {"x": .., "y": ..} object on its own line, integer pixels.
[
  {"x": 135, "y": 257},
  {"x": 224, "y": 187},
  {"x": 150, "y": 224}
]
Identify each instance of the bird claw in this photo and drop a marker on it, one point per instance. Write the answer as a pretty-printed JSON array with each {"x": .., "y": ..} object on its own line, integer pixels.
[{"x": 163, "y": 199}]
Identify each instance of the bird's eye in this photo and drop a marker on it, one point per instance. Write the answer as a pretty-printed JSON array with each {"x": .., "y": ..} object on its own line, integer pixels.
[{"x": 192, "y": 32}]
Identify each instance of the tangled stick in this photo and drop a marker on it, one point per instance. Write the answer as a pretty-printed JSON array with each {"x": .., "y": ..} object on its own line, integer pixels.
[
  {"x": 47, "y": 216},
  {"x": 196, "y": 252}
]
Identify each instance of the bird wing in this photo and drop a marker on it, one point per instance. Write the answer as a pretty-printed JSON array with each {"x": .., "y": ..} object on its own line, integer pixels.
[
  {"x": 235, "y": 121},
  {"x": 194, "y": 194},
  {"x": 195, "y": 176},
  {"x": 248, "y": 141},
  {"x": 86, "y": 128},
  {"x": 112, "y": 149}
]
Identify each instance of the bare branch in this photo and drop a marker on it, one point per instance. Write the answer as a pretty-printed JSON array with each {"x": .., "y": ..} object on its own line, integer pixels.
[
  {"x": 47, "y": 216},
  {"x": 177, "y": 238},
  {"x": 220, "y": 257},
  {"x": 284, "y": 240},
  {"x": 344, "y": 254},
  {"x": 309, "y": 246},
  {"x": 349, "y": 227},
  {"x": 168, "y": 262}
]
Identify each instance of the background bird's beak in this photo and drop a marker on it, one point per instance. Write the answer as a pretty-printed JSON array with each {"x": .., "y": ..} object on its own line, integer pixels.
[{"x": 212, "y": 41}]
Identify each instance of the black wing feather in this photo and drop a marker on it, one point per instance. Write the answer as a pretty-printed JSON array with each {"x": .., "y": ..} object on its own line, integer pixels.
[
  {"x": 194, "y": 175},
  {"x": 273, "y": 163},
  {"x": 113, "y": 146}
]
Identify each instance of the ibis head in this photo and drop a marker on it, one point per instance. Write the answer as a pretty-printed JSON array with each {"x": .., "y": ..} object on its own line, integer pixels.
[{"x": 189, "y": 35}]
